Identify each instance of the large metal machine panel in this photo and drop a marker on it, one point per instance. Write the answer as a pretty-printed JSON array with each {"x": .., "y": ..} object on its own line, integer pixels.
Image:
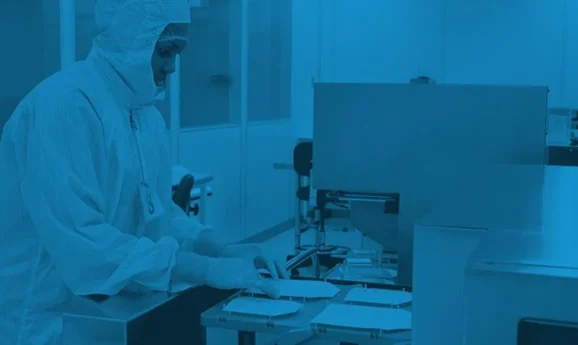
[
  {"x": 512, "y": 276},
  {"x": 464, "y": 146},
  {"x": 439, "y": 258}
]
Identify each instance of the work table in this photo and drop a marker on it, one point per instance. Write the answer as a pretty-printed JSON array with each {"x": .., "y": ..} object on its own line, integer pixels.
[{"x": 143, "y": 319}]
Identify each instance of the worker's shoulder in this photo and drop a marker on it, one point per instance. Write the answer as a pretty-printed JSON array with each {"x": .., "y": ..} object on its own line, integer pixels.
[
  {"x": 66, "y": 87},
  {"x": 60, "y": 100}
]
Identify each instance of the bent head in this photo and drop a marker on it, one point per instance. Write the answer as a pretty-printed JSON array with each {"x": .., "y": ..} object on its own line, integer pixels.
[
  {"x": 171, "y": 43},
  {"x": 140, "y": 40}
]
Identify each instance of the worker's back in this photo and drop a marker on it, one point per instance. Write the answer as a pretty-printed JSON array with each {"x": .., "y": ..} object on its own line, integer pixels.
[
  {"x": 70, "y": 171},
  {"x": 19, "y": 243}
]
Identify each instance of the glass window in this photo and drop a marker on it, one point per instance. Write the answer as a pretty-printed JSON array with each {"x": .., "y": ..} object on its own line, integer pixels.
[
  {"x": 85, "y": 27},
  {"x": 210, "y": 66},
  {"x": 269, "y": 77},
  {"x": 51, "y": 36},
  {"x": 27, "y": 38}
]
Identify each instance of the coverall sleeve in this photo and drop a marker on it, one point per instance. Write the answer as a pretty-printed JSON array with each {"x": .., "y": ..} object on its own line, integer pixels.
[
  {"x": 194, "y": 236},
  {"x": 62, "y": 188},
  {"x": 191, "y": 235}
]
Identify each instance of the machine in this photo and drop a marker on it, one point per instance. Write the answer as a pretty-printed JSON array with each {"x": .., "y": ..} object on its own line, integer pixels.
[
  {"x": 541, "y": 331},
  {"x": 191, "y": 191},
  {"x": 444, "y": 244},
  {"x": 522, "y": 287},
  {"x": 399, "y": 151}
]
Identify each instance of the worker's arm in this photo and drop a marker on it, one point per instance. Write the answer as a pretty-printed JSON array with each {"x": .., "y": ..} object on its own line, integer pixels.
[
  {"x": 195, "y": 238},
  {"x": 63, "y": 183},
  {"x": 191, "y": 235},
  {"x": 201, "y": 240},
  {"x": 204, "y": 254}
]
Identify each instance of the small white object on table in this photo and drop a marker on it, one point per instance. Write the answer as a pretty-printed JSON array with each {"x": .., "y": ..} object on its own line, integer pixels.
[
  {"x": 302, "y": 289},
  {"x": 364, "y": 317},
  {"x": 262, "y": 307}
]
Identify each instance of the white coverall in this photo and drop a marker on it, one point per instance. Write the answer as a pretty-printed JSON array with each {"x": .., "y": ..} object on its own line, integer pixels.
[{"x": 76, "y": 218}]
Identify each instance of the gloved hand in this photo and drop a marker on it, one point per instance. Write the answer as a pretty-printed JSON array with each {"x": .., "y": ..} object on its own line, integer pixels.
[
  {"x": 261, "y": 260},
  {"x": 221, "y": 273}
]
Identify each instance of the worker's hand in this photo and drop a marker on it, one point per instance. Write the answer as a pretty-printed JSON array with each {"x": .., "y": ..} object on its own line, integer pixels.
[
  {"x": 221, "y": 273},
  {"x": 240, "y": 273},
  {"x": 269, "y": 288},
  {"x": 260, "y": 258}
]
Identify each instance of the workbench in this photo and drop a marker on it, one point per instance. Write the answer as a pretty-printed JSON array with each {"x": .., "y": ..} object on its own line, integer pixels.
[{"x": 248, "y": 326}]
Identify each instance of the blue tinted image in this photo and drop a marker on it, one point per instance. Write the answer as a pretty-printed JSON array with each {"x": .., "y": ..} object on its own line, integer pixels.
[{"x": 288, "y": 172}]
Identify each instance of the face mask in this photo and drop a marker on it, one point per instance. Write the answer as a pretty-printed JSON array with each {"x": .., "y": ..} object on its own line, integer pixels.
[{"x": 161, "y": 93}]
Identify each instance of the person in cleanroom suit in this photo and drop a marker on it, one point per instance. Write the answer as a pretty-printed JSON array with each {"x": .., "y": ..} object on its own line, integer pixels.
[{"x": 85, "y": 186}]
